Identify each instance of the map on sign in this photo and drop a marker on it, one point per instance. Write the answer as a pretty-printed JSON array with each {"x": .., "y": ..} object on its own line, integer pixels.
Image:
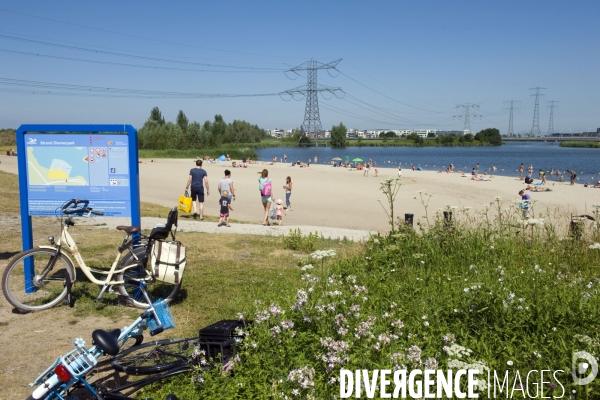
[
  {"x": 57, "y": 166},
  {"x": 94, "y": 167}
]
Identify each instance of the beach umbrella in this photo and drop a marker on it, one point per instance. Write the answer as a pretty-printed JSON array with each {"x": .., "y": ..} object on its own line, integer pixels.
[
  {"x": 336, "y": 159},
  {"x": 357, "y": 159}
]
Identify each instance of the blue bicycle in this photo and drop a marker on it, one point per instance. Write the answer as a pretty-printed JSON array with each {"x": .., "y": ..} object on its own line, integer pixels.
[{"x": 69, "y": 371}]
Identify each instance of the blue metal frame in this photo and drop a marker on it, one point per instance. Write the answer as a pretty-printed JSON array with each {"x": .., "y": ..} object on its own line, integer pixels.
[{"x": 134, "y": 173}]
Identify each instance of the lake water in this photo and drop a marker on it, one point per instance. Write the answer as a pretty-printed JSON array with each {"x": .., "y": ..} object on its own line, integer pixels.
[{"x": 507, "y": 158}]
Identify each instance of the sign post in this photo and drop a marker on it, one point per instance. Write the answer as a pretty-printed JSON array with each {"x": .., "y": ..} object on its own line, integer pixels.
[{"x": 57, "y": 163}]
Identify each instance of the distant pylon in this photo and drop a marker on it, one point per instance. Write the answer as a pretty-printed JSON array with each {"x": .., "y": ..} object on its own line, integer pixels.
[
  {"x": 535, "y": 128},
  {"x": 552, "y": 106},
  {"x": 510, "y": 120},
  {"x": 312, "y": 117},
  {"x": 467, "y": 116}
]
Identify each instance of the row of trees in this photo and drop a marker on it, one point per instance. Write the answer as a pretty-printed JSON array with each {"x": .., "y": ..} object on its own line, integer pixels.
[{"x": 157, "y": 134}]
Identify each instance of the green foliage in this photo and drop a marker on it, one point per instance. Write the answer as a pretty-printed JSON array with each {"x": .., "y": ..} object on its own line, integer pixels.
[
  {"x": 338, "y": 135},
  {"x": 236, "y": 153},
  {"x": 295, "y": 138},
  {"x": 482, "y": 288},
  {"x": 156, "y": 116},
  {"x": 468, "y": 138},
  {"x": 296, "y": 241},
  {"x": 182, "y": 121},
  {"x": 489, "y": 135},
  {"x": 156, "y": 134},
  {"x": 587, "y": 145},
  {"x": 304, "y": 140},
  {"x": 8, "y": 137},
  {"x": 388, "y": 134},
  {"x": 449, "y": 140}
]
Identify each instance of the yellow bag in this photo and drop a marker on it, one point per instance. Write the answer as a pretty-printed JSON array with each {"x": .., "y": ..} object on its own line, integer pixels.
[{"x": 185, "y": 203}]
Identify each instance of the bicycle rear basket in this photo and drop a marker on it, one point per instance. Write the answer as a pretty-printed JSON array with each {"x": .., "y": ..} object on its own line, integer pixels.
[{"x": 164, "y": 314}]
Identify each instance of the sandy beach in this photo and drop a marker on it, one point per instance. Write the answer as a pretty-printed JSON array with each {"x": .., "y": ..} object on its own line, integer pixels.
[{"x": 335, "y": 197}]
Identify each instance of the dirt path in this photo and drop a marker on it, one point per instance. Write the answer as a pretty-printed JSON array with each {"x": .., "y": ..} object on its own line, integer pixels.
[{"x": 30, "y": 342}]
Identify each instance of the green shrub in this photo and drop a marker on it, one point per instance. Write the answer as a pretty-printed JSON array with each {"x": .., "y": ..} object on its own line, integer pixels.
[
  {"x": 483, "y": 290},
  {"x": 296, "y": 241}
]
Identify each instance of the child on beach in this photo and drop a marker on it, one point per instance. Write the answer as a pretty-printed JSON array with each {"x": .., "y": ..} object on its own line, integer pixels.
[
  {"x": 376, "y": 171},
  {"x": 279, "y": 210},
  {"x": 399, "y": 171},
  {"x": 225, "y": 204}
]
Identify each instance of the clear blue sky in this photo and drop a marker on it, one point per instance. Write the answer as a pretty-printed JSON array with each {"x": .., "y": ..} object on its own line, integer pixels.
[{"x": 405, "y": 64}]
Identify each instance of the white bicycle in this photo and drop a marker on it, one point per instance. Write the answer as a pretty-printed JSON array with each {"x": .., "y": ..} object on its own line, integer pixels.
[{"x": 42, "y": 278}]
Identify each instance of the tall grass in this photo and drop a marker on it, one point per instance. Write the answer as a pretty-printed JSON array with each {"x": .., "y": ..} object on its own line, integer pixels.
[{"x": 481, "y": 290}]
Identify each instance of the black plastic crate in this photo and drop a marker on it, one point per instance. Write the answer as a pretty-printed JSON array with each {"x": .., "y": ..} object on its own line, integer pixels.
[
  {"x": 215, "y": 350},
  {"x": 221, "y": 331}
]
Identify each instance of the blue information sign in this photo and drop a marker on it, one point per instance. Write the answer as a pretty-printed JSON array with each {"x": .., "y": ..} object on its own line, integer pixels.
[
  {"x": 66, "y": 166},
  {"x": 58, "y": 163}
]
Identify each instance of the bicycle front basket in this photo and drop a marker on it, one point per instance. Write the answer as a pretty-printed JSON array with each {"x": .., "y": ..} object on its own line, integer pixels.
[{"x": 164, "y": 314}]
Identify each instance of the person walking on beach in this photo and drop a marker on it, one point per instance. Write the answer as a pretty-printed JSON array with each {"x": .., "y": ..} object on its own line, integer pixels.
[
  {"x": 521, "y": 170},
  {"x": 530, "y": 170},
  {"x": 477, "y": 167},
  {"x": 366, "y": 172},
  {"x": 225, "y": 203},
  {"x": 265, "y": 187},
  {"x": 226, "y": 184},
  {"x": 279, "y": 210},
  {"x": 284, "y": 158},
  {"x": 288, "y": 192},
  {"x": 399, "y": 171},
  {"x": 197, "y": 181},
  {"x": 573, "y": 176},
  {"x": 543, "y": 177}
]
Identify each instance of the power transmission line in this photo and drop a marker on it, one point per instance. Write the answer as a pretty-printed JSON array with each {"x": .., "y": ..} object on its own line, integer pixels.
[
  {"x": 387, "y": 86},
  {"x": 535, "y": 128},
  {"x": 37, "y": 87},
  {"x": 147, "y": 58},
  {"x": 119, "y": 64},
  {"x": 187, "y": 56},
  {"x": 552, "y": 106},
  {"x": 140, "y": 37}
]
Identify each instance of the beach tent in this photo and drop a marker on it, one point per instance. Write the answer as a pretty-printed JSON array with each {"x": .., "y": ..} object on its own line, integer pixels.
[{"x": 222, "y": 158}]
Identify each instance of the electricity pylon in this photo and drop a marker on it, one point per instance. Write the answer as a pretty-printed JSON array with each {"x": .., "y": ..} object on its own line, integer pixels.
[
  {"x": 535, "y": 128},
  {"x": 552, "y": 106},
  {"x": 510, "y": 120},
  {"x": 467, "y": 115},
  {"x": 312, "y": 117}
]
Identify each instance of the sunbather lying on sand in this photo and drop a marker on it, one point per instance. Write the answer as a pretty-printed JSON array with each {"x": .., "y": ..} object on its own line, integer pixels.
[{"x": 538, "y": 189}]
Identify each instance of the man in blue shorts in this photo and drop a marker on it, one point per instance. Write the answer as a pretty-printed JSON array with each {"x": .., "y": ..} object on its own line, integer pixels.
[{"x": 197, "y": 181}]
